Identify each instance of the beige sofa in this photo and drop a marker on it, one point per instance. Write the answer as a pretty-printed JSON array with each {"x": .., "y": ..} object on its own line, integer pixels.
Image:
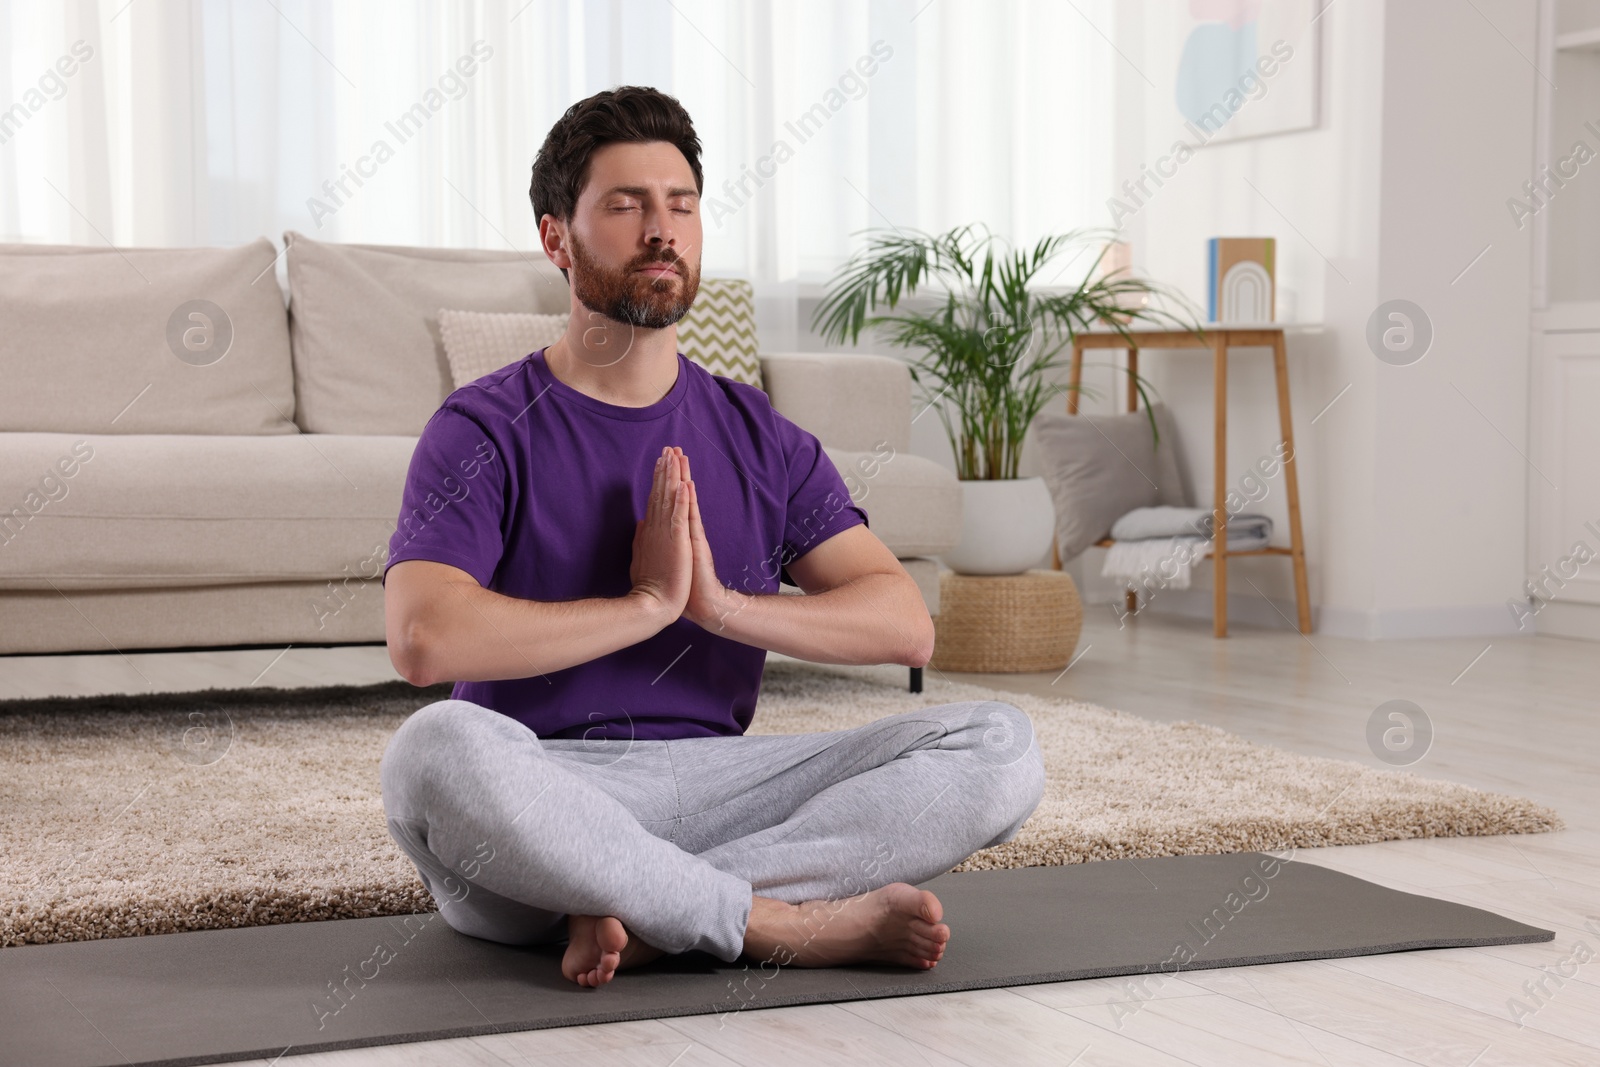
[{"x": 187, "y": 463}]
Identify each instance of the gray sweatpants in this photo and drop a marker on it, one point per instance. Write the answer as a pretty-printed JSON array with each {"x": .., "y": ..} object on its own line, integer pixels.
[{"x": 511, "y": 833}]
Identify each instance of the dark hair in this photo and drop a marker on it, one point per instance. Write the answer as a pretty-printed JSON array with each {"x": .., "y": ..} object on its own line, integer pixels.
[{"x": 629, "y": 114}]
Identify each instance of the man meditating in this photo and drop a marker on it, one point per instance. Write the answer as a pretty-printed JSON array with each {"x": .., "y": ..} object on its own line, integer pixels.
[{"x": 605, "y": 608}]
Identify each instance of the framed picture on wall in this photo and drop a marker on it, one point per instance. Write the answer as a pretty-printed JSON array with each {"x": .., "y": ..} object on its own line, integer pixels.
[{"x": 1246, "y": 68}]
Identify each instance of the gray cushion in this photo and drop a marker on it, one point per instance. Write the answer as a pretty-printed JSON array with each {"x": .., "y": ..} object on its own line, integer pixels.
[
  {"x": 143, "y": 340},
  {"x": 1100, "y": 467},
  {"x": 364, "y": 324}
]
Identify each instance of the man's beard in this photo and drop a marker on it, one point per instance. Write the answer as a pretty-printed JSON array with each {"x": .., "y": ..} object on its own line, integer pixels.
[{"x": 626, "y": 296}]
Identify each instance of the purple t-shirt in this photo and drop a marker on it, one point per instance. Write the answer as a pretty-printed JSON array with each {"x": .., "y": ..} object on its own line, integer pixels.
[{"x": 533, "y": 488}]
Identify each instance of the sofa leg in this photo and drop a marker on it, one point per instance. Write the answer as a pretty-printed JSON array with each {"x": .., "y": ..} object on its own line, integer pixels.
[{"x": 916, "y": 679}]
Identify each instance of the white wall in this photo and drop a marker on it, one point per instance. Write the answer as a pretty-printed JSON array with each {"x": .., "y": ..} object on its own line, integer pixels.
[
  {"x": 1413, "y": 501},
  {"x": 1452, "y": 429},
  {"x": 1317, "y": 192}
]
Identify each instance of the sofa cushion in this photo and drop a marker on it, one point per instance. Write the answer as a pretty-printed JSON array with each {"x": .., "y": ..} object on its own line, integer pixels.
[
  {"x": 199, "y": 616},
  {"x": 108, "y": 511},
  {"x": 114, "y": 511},
  {"x": 103, "y": 340},
  {"x": 854, "y": 400},
  {"x": 913, "y": 504},
  {"x": 719, "y": 331},
  {"x": 364, "y": 325},
  {"x": 481, "y": 342}
]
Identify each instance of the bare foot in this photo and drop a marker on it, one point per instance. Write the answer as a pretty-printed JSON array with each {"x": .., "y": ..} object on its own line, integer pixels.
[
  {"x": 598, "y": 946},
  {"x": 896, "y": 924}
]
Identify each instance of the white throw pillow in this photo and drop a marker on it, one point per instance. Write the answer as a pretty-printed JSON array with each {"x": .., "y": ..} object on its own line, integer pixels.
[{"x": 481, "y": 342}]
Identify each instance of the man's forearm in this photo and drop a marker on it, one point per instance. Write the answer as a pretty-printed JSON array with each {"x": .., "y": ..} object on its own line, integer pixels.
[
  {"x": 878, "y": 618},
  {"x": 474, "y": 634}
]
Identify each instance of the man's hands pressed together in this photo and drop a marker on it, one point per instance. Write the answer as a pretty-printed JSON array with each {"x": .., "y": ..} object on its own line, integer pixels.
[
  {"x": 860, "y": 607},
  {"x": 709, "y": 600},
  {"x": 662, "y": 556},
  {"x": 672, "y": 562}
]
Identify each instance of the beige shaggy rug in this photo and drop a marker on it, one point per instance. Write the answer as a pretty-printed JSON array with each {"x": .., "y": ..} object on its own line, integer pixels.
[{"x": 185, "y": 811}]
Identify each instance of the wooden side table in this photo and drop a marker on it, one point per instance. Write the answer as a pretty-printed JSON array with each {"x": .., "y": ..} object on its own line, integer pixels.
[{"x": 1219, "y": 338}]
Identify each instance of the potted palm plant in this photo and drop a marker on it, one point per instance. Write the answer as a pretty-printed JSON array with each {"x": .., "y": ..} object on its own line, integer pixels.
[{"x": 986, "y": 355}]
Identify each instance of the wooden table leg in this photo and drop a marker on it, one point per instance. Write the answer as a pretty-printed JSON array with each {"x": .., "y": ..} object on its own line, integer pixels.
[
  {"x": 1075, "y": 378},
  {"x": 1219, "y": 529},
  {"x": 1131, "y": 599},
  {"x": 1291, "y": 482}
]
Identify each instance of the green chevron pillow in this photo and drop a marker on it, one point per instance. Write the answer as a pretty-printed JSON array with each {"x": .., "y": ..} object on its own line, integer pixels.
[{"x": 719, "y": 332}]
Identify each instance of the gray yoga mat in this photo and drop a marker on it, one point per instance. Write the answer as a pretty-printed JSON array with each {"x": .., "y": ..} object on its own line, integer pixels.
[{"x": 262, "y": 991}]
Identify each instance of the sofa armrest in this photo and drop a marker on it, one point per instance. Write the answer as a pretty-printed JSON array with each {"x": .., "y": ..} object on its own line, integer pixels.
[{"x": 852, "y": 401}]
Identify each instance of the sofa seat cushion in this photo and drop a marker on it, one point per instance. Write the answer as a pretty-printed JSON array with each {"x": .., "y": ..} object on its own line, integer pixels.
[
  {"x": 143, "y": 340},
  {"x": 81, "y": 511},
  {"x": 84, "y": 511},
  {"x": 912, "y": 503}
]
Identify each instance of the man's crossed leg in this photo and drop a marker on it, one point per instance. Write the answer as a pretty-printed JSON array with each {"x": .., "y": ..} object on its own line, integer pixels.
[{"x": 800, "y": 849}]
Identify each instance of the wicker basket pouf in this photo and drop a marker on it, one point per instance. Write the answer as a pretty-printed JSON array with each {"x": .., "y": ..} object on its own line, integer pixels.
[{"x": 1006, "y": 622}]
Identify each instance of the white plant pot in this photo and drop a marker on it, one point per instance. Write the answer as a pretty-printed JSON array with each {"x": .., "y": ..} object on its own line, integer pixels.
[{"x": 1006, "y": 526}]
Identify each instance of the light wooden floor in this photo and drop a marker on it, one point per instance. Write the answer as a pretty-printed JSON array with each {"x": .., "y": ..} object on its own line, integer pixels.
[{"x": 1520, "y": 717}]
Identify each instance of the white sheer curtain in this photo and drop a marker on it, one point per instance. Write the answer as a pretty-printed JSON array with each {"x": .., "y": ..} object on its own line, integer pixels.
[{"x": 214, "y": 122}]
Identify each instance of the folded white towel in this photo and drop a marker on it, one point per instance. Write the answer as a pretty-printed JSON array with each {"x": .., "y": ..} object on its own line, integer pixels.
[
  {"x": 1162, "y": 562},
  {"x": 1245, "y": 531}
]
